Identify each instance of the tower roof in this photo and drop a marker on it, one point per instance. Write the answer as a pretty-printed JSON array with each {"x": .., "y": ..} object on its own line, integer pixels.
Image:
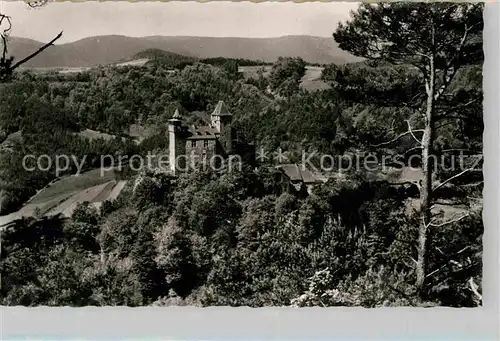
[
  {"x": 176, "y": 118},
  {"x": 177, "y": 115},
  {"x": 221, "y": 110}
]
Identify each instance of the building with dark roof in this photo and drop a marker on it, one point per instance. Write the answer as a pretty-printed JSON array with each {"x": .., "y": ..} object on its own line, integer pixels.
[
  {"x": 298, "y": 179},
  {"x": 189, "y": 143}
]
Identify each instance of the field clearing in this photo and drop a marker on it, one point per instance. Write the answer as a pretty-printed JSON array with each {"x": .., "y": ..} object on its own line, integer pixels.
[
  {"x": 314, "y": 85},
  {"x": 65, "y": 203},
  {"x": 47, "y": 206},
  {"x": 78, "y": 69},
  {"x": 67, "y": 207},
  {"x": 74, "y": 70},
  {"x": 449, "y": 212},
  {"x": 29, "y": 210},
  {"x": 58, "y": 69},
  {"x": 136, "y": 62},
  {"x": 117, "y": 190},
  {"x": 253, "y": 71},
  {"x": 95, "y": 196},
  {"x": 139, "y": 132},
  {"x": 94, "y": 135},
  {"x": 104, "y": 193},
  {"x": 311, "y": 80},
  {"x": 73, "y": 183},
  {"x": 136, "y": 132}
]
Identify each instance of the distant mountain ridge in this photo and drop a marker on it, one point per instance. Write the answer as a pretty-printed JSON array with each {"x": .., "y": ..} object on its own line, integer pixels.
[{"x": 103, "y": 50}]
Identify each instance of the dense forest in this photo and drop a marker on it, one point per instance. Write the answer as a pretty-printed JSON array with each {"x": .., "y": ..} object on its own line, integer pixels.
[{"x": 229, "y": 238}]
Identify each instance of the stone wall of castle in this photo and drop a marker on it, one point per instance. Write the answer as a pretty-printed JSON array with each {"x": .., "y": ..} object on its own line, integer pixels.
[{"x": 200, "y": 150}]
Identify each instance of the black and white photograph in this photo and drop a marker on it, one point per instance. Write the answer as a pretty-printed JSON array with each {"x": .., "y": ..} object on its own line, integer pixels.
[{"x": 239, "y": 154}]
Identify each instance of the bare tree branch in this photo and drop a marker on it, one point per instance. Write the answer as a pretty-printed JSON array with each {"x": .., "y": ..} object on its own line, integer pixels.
[
  {"x": 412, "y": 259},
  {"x": 449, "y": 221},
  {"x": 34, "y": 54},
  {"x": 450, "y": 110},
  {"x": 449, "y": 261},
  {"x": 413, "y": 135},
  {"x": 409, "y": 132},
  {"x": 457, "y": 175},
  {"x": 396, "y": 138},
  {"x": 473, "y": 288},
  {"x": 437, "y": 270},
  {"x": 5, "y": 33},
  {"x": 412, "y": 149},
  {"x": 4, "y": 49},
  {"x": 465, "y": 248},
  {"x": 474, "y": 184},
  {"x": 6, "y": 67},
  {"x": 445, "y": 124},
  {"x": 422, "y": 55},
  {"x": 459, "y": 150}
]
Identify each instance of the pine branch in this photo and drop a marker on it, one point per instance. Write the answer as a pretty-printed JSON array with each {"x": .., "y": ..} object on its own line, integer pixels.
[{"x": 451, "y": 69}]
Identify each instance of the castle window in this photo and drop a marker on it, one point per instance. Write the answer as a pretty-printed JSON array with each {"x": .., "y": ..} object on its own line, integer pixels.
[
  {"x": 205, "y": 143},
  {"x": 193, "y": 143}
]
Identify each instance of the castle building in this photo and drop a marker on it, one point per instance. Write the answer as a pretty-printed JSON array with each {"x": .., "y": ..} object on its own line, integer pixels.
[{"x": 189, "y": 144}]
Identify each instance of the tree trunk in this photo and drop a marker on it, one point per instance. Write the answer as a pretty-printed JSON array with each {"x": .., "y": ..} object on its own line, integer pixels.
[{"x": 426, "y": 185}]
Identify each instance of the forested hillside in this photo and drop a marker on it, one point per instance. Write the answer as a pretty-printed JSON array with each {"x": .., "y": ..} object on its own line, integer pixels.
[
  {"x": 103, "y": 50},
  {"x": 229, "y": 237}
]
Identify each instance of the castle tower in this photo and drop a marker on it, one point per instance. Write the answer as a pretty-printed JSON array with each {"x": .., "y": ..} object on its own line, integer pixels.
[
  {"x": 175, "y": 142},
  {"x": 221, "y": 120}
]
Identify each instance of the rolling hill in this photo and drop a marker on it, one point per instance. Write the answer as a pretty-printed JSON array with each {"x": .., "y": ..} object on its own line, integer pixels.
[{"x": 103, "y": 50}]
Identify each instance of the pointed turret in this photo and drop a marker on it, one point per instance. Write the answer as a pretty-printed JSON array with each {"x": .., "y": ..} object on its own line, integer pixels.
[
  {"x": 221, "y": 120},
  {"x": 221, "y": 110},
  {"x": 177, "y": 115}
]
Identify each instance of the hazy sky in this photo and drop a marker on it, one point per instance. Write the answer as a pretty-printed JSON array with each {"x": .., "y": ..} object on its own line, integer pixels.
[{"x": 216, "y": 19}]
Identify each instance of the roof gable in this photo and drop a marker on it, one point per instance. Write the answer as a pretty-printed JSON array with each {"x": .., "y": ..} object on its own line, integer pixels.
[
  {"x": 291, "y": 171},
  {"x": 299, "y": 173},
  {"x": 221, "y": 110},
  {"x": 205, "y": 132}
]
